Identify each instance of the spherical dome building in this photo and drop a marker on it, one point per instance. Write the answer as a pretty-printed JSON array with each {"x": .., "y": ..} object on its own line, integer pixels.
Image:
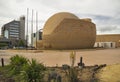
[{"x": 66, "y": 31}]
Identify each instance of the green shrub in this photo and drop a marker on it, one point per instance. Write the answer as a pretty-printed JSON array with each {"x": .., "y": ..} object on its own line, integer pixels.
[
  {"x": 16, "y": 64},
  {"x": 73, "y": 73},
  {"x": 3, "y": 44},
  {"x": 24, "y": 70},
  {"x": 21, "y": 43},
  {"x": 33, "y": 72}
]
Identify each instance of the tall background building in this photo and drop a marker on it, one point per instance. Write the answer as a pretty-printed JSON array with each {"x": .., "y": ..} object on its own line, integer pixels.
[
  {"x": 14, "y": 30},
  {"x": 22, "y": 28}
]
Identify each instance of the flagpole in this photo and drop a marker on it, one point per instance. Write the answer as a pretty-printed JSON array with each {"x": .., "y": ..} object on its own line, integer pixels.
[
  {"x": 27, "y": 29},
  {"x": 36, "y": 28},
  {"x": 32, "y": 29}
]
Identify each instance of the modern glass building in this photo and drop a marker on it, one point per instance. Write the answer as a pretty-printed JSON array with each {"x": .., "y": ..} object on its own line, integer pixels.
[{"x": 14, "y": 30}]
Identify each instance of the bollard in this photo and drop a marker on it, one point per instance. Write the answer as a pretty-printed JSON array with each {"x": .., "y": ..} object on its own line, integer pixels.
[
  {"x": 81, "y": 61},
  {"x": 2, "y": 62},
  {"x": 81, "y": 64}
]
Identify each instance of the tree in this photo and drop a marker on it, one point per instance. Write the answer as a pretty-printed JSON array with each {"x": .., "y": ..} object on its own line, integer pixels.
[{"x": 21, "y": 43}]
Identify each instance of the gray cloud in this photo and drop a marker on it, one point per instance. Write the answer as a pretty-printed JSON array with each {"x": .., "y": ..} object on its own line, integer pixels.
[
  {"x": 104, "y": 24},
  {"x": 20, "y": 1},
  {"x": 101, "y": 19},
  {"x": 107, "y": 28},
  {"x": 106, "y": 20}
]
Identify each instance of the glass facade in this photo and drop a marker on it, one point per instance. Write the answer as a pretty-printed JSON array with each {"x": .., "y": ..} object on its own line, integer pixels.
[
  {"x": 14, "y": 30},
  {"x": 6, "y": 34}
]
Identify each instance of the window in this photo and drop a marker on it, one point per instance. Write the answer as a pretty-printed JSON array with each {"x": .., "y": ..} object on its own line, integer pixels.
[
  {"x": 6, "y": 33},
  {"x": 34, "y": 35},
  {"x": 111, "y": 45},
  {"x": 14, "y": 33}
]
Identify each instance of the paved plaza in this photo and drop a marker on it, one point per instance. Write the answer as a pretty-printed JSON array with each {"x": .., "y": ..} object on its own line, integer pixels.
[{"x": 59, "y": 57}]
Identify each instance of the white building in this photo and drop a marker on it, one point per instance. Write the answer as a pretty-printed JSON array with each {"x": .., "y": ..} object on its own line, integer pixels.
[{"x": 105, "y": 44}]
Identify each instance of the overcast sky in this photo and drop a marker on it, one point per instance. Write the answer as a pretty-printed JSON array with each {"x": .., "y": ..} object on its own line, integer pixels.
[{"x": 104, "y": 13}]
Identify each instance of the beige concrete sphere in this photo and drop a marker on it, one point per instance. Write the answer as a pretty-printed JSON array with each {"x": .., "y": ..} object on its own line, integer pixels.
[
  {"x": 55, "y": 20},
  {"x": 67, "y": 31}
]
